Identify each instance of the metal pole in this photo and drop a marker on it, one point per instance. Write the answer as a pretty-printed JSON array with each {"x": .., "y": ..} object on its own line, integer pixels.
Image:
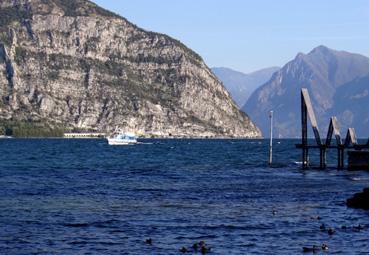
[{"x": 271, "y": 138}]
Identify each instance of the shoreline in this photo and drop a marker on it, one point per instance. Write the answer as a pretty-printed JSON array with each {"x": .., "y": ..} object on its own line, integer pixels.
[{"x": 147, "y": 138}]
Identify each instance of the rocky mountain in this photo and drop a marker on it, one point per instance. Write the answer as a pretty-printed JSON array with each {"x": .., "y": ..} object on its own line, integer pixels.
[
  {"x": 337, "y": 82},
  {"x": 351, "y": 106},
  {"x": 242, "y": 85},
  {"x": 73, "y": 64}
]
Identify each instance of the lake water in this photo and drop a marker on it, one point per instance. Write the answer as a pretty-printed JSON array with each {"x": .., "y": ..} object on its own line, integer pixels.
[{"x": 85, "y": 197}]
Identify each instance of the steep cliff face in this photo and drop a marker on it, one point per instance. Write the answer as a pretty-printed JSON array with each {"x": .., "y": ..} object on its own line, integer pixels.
[{"x": 74, "y": 64}]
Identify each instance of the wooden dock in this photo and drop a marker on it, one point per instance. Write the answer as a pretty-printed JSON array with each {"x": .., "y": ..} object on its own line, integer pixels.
[{"x": 358, "y": 153}]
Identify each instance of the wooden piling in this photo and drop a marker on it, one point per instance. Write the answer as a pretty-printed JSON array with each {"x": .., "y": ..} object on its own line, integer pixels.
[
  {"x": 340, "y": 157},
  {"x": 271, "y": 139},
  {"x": 307, "y": 110},
  {"x": 349, "y": 143},
  {"x": 334, "y": 129},
  {"x": 350, "y": 137},
  {"x": 355, "y": 158},
  {"x": 323, "y": 157},
  {"x": 304, "y": 134}
]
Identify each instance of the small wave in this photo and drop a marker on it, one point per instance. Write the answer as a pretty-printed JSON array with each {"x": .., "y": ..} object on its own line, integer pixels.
[
  {"x": 358, "y": 179},
  {"x": 78, "y": 242},
  {"x": 98, "y": 224},
  {"x": 203, "y": 237},
  {"x": 248, "y": 245},
  {"x": 76, "y": 225},
  {"x": 93, "y": 242}
]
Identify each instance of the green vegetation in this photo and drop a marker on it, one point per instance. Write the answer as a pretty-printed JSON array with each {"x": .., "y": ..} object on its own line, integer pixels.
[
  {"x": 69, "y": 7},
  {"x": 53, "y": 75},
  {"x": 82, "y": 130},
  {"x": 29, "y": 129},
  {"x": 140, "y": 58},
  {"x": 4, "y": 38},
  {"x": 11, "y": 14},
  {"x": 80, "y": 8},
  {"x": 178, "y": 43},
  {"x": 110, "y": 67},
  {"x": 91, "y": 44},
  {"x": 103, "y": 12},
  {"x": 60, "y": 61},
  {"x": 74, "y": 8},
  {"x": 20, "y": 55}
]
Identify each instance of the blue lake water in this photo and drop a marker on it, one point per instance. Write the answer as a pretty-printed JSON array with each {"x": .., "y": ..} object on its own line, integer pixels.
[{"x": 85, "y": 197}]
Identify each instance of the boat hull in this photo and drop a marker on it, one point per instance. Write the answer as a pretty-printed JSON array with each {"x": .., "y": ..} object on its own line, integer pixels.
[{"x": 112, "y": 141}]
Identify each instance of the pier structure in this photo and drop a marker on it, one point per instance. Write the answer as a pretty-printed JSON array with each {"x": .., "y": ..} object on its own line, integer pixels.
[
  {"x": 358, "y": 153},
  {"x": 84, "y": 135}
]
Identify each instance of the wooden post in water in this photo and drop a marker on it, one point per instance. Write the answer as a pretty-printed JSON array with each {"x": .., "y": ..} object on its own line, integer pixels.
[
  {"x": 307, "y": 110},
  {"x": 271, "y": 138},
  {"x": 304, "y": 141},
  {"x": 341, "y": 156},
  {"x": 335, "y": 129},
  {"x": 356, "y": 155},
  {"x": 323, "y": 157}
]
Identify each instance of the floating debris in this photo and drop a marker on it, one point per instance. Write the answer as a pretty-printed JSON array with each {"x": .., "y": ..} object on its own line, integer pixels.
[
  {"x": 205, "y": 249},
  {"x": 324, "y": 247},
  {"x": 148, "y": 241},
  {"x": 315, "y": 217},
  {"x": 314, "y": 249},
  {"x": 331, "y": 231},
  {"x": 358, "y": 227},
  {"x": 183, "y": 249},
  {"x": 197, "y": 247}
]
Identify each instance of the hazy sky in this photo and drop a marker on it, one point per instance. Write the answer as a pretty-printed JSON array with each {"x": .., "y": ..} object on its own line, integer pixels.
[{"x": 248, "y": 35}]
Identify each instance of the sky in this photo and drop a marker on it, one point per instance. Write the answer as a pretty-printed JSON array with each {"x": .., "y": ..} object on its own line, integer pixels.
[{"x": 249, "y": 35}]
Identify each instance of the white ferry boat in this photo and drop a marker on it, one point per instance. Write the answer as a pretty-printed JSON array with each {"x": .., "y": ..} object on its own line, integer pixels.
[{"x": 122, "y": 138}]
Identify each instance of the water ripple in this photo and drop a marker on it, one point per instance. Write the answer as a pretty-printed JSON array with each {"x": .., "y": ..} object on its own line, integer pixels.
[{"x": 84, "y": 197}]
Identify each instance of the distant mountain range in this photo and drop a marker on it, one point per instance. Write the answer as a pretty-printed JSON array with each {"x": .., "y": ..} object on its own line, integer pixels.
[
  {"x": 242, "y": 85},
  {"x": 338, "y": 83}
]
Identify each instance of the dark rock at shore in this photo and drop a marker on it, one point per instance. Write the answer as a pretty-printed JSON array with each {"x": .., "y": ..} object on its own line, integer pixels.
[{"x": 359, "y": 200}]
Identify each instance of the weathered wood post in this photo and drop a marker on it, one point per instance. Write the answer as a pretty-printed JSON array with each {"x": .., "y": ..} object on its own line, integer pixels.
[
  {"x": 307, "y": 109},
  {"x": 323, "y": 157},
  {"x": 304, "y": 141},
  {"x": 341, "y": 155},
  {"x": 357, "y": 158},
  {"x": 271, "y": 138},
  {"x": 335, "y": 129}
]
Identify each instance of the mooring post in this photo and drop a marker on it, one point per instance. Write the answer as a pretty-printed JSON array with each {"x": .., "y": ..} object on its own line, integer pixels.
[
  {"x": 271, "y": 138},
  {"x": 341, "y": 153},
  {"x": 323, "y": 157},
  {"x": 304, "y": 141}
]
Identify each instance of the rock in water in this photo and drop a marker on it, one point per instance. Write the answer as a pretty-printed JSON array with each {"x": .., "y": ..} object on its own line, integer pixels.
[
  {"x": 74, "y": 64},
  {"x": 359, "y": 200}
]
